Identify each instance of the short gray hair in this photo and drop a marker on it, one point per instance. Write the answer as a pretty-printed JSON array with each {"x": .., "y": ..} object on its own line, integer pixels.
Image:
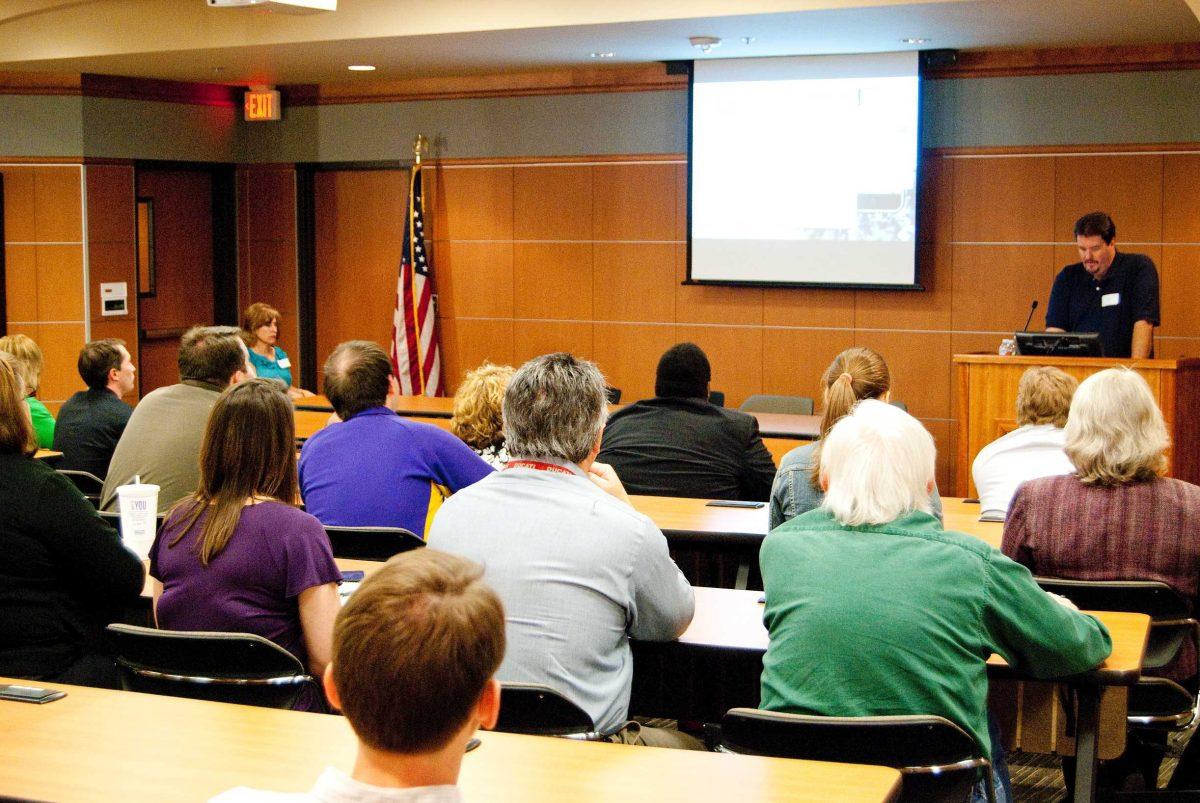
[
  {"x": 554, "y": 408},
  {"x": 878, "y": 462},
  {"x": 1115, "y": 431}
]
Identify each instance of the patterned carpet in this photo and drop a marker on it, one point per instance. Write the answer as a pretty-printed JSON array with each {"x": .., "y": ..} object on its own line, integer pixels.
[{"x": 1037, "y": 778}]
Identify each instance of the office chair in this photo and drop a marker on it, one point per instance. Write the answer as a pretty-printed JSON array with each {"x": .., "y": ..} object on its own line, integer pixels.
[
  {"x": 225, "y": 667},
  {"x": 1155, "y": 704},
  {"x": 938, "y": 760},
  {"x": 371, "y": 543},
  {"x": 88, "y": 484},
  {"x": 539, "y": 710},
  {"x": 769, "y": 403}
]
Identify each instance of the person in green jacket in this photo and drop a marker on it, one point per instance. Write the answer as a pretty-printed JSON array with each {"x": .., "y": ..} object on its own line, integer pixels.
[
  {"x": 873, "y": 609},
  {"x": 29, "y": 360}
]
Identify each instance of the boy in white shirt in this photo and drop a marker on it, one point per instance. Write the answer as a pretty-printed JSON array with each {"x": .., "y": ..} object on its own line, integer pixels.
[{"x": 415, "y": 650}]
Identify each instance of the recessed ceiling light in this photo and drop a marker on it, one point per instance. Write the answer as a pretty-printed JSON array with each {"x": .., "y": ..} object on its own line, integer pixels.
[
  {"x": 603, "y": 54},
  {"x": 361, "y": 67},
  {"x": 914, "y": 40}
]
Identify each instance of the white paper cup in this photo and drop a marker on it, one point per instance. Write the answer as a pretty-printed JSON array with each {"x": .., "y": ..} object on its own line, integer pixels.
[{"x": 139, "y": 516}]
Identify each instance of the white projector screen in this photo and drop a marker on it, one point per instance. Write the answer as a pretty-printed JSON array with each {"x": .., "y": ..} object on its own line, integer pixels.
[{"x": 804, "y": 170}]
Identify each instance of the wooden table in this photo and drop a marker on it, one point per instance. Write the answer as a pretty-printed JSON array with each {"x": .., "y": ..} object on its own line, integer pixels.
[
  {"x": 771, "y": 425},
  {"x": 716, "y": 664},
  {"x": 49, "y": 455},
  {"x": 100, "y": 745}
]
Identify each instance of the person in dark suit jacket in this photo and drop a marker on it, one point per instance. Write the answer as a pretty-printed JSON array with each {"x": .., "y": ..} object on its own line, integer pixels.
[{"x": 679, "y": 444}]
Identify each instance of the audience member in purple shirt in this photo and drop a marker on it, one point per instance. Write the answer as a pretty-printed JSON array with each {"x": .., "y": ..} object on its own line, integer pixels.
[
  {"x": 235, "y": 556},
  {"x": 375, "y": 468}
]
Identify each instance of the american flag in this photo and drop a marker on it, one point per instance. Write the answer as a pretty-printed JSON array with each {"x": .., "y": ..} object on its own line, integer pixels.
[{"x": 416, "y": 358}]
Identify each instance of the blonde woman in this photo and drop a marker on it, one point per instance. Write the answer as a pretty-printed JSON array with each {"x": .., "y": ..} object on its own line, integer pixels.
[
  {"x": 857, "y": 373},
  {"x": 478, "y": 418},
  {"x": 29, "y": 364},
  {"x": 1035, "y": 448},
  {"x": 1116, "y": 517}
]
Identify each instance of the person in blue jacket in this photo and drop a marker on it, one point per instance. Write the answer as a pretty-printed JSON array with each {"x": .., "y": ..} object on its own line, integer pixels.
[{"x": 260, "y": 330}]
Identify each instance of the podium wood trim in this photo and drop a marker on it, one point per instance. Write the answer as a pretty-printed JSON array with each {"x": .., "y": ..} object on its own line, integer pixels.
[{"x": 986, "y": 385}]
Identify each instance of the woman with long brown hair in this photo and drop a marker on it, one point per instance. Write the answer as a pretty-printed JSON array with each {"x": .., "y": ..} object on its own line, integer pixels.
[
  {"x": 857, "y": 373},
  {"x": 63, "y": 571},
  {"x": 238, "y": 555}
]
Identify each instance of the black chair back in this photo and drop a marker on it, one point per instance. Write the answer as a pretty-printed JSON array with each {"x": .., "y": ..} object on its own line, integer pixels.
[
  {"x": 226, "y": 667},
  {"x": 770, "y": 403},
  {"x": 1171, "y": 618},
  {"x": 613, "y": 394},
  {"x": 717, "y": 397},
  {"x": 88, "y": 484},
  {"x": 371, "y": 543},
  {"x": 938, "y": 760},
  {"x": 542, "y": 711}
]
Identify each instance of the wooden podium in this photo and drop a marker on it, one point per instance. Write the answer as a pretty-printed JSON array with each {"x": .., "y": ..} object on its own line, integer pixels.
[{"x": 986, "y": 385}]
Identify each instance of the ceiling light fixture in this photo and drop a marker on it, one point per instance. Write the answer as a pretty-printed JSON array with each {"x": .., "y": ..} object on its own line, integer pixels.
[
  {"x": 602, "y": 54},
  {"x": 705, "y": 44},
  {"x": 914, "y": 40},
  {"x": 361, "y": 67}
]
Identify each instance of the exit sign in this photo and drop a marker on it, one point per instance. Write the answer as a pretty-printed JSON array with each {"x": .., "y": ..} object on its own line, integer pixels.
[{"x": 262, "y": 104}]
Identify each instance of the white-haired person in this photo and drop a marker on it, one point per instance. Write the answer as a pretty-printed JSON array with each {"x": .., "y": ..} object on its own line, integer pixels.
[
  {"x": 1116, "y": 517},
  {"x": 1035, "y": 448},
  {"x": 871, "y": 569}
]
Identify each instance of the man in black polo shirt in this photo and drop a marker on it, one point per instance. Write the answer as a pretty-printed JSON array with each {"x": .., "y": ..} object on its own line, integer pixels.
[
  {"x": 1112, "y": 293},
  {"x": 91, "y": 422}
]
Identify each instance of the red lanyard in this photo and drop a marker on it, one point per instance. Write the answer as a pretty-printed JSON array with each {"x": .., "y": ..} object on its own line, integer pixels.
[{"x": 537, "y": 465}]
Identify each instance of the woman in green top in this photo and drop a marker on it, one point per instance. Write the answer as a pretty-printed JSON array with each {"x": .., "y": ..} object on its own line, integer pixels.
[
  {"x": 29, "y": 363},
  {"x": 260, "y": 330}
]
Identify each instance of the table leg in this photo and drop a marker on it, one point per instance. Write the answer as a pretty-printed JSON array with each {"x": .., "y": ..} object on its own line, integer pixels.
[
  {"x": 743, "y": 576},
  {"x": 1087, "y": 727}
]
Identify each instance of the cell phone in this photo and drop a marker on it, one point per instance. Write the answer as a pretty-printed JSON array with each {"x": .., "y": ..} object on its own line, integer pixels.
[
  {"x": 30, "y": 694},
  {"x": 471, "y": 745},
  {"x": 354, "y": 576},
  {"x": 733, "y": 503}
]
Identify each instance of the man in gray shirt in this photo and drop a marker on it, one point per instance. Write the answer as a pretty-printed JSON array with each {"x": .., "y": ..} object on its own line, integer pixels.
[
  {"x": 161, "y": 442},
  {"x": 579, "y": 570}
]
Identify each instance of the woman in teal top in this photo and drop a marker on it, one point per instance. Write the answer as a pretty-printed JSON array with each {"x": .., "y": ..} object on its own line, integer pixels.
[
  {"x": 260, "y": 324},
  {"x": 29, "y": 363}
]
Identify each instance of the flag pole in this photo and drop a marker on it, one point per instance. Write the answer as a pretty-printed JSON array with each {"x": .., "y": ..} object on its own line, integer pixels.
[{"x": 420, "y": 144}]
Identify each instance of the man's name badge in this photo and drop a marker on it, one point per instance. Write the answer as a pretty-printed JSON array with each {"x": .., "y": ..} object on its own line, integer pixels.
[{"x": 1110, "y": 299}]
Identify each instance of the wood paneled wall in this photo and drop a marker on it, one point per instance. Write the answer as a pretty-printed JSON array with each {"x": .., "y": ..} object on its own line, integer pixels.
[
  {"x": 44, "y": 268},
  {"x": 267, "y": 249},
  {"x": 112, "y": 257},
  {"x": 590, "y": 256}
]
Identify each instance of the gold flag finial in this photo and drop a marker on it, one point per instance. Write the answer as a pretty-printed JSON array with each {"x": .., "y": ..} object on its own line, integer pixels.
[{"x": 420, "y": 145}]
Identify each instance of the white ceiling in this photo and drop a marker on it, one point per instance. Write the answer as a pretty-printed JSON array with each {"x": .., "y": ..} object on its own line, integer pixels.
[{"x": 186, "y": 40}]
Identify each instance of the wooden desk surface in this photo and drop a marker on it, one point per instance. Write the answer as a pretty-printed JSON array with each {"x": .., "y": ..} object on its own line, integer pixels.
[
  {"x": 771, "y": 425},
  {"x": 100, "y": 745},
  {"x": 682, "y": 518},
  {"x": 963, "y": 516},
  {"x": 730, "y": 619},
  {"x": 49, "y": 455}
]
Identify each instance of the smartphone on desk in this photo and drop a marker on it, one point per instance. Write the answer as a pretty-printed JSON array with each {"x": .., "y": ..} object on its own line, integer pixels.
[
  {"x": 30, "y": 694},
  {"x": 734, "y": 503}
]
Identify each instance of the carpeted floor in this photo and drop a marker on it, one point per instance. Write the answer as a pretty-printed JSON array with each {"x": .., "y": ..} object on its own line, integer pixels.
[{"x": 1037, "y": 778}]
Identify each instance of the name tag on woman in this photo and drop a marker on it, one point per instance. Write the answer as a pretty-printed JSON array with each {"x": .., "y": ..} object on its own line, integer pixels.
[
  {"x": 1106, "y": 300},
  {"x": 286, "y": 363}
]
